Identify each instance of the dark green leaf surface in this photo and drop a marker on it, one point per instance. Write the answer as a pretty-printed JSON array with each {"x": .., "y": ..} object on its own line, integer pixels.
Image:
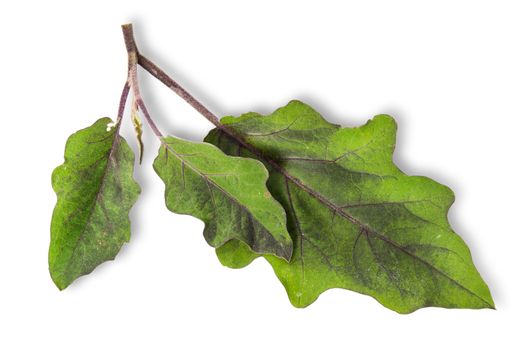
[
  {"x": 227, "y": 193},
  {"x": 356, "y": 220},
  {"x": 95, "y": 191}
]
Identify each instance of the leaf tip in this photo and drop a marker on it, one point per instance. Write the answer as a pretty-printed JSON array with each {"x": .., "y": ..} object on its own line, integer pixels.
[
  {"x": 288, "y": 252},
  {"x": 491, "y": 304},
  {"x": 61, "y": 284}
]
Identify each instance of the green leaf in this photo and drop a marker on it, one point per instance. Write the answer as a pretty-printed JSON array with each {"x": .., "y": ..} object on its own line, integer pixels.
[
  {"x": 356, "y": 220},
  {"x": 95, "y": 191},
  {"x": 227, "y": 193}
]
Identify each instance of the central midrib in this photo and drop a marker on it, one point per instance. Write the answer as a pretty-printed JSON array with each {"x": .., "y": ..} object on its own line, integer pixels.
[
  {"x": 97, "y": 199},
  {"x": 325, "y": 201},
  {"x": 218, "y": 186}
]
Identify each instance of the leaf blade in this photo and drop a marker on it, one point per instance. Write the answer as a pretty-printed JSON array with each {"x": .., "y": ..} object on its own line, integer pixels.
[
  {"x": 227, "y": 193},
  {"x": 356, "y": 220},
  {"x": 95, "y": 191}
]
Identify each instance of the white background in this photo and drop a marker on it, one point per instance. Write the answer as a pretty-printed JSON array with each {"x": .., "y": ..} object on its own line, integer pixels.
[{"x": 452, "y": 73}]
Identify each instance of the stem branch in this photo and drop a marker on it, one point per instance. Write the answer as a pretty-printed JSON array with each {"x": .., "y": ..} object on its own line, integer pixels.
[
  {"x": 151, "y": 68},
  {"x": 131, "y": 48},
  {"x": 122, "y": 102}
]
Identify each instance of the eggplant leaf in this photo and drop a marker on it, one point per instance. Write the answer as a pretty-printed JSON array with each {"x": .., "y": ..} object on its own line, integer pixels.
[
  {"x": 356, "y": 220},
  {"x": 95, "y": 192},
  {"x": 227, "y": 193}
]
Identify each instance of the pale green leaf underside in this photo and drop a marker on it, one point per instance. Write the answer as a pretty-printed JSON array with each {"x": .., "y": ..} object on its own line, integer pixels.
[
  {"x": 356, "y": 220},
  {"x": 227, "y": 193},
  {"x": 95, "y": 192}
]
